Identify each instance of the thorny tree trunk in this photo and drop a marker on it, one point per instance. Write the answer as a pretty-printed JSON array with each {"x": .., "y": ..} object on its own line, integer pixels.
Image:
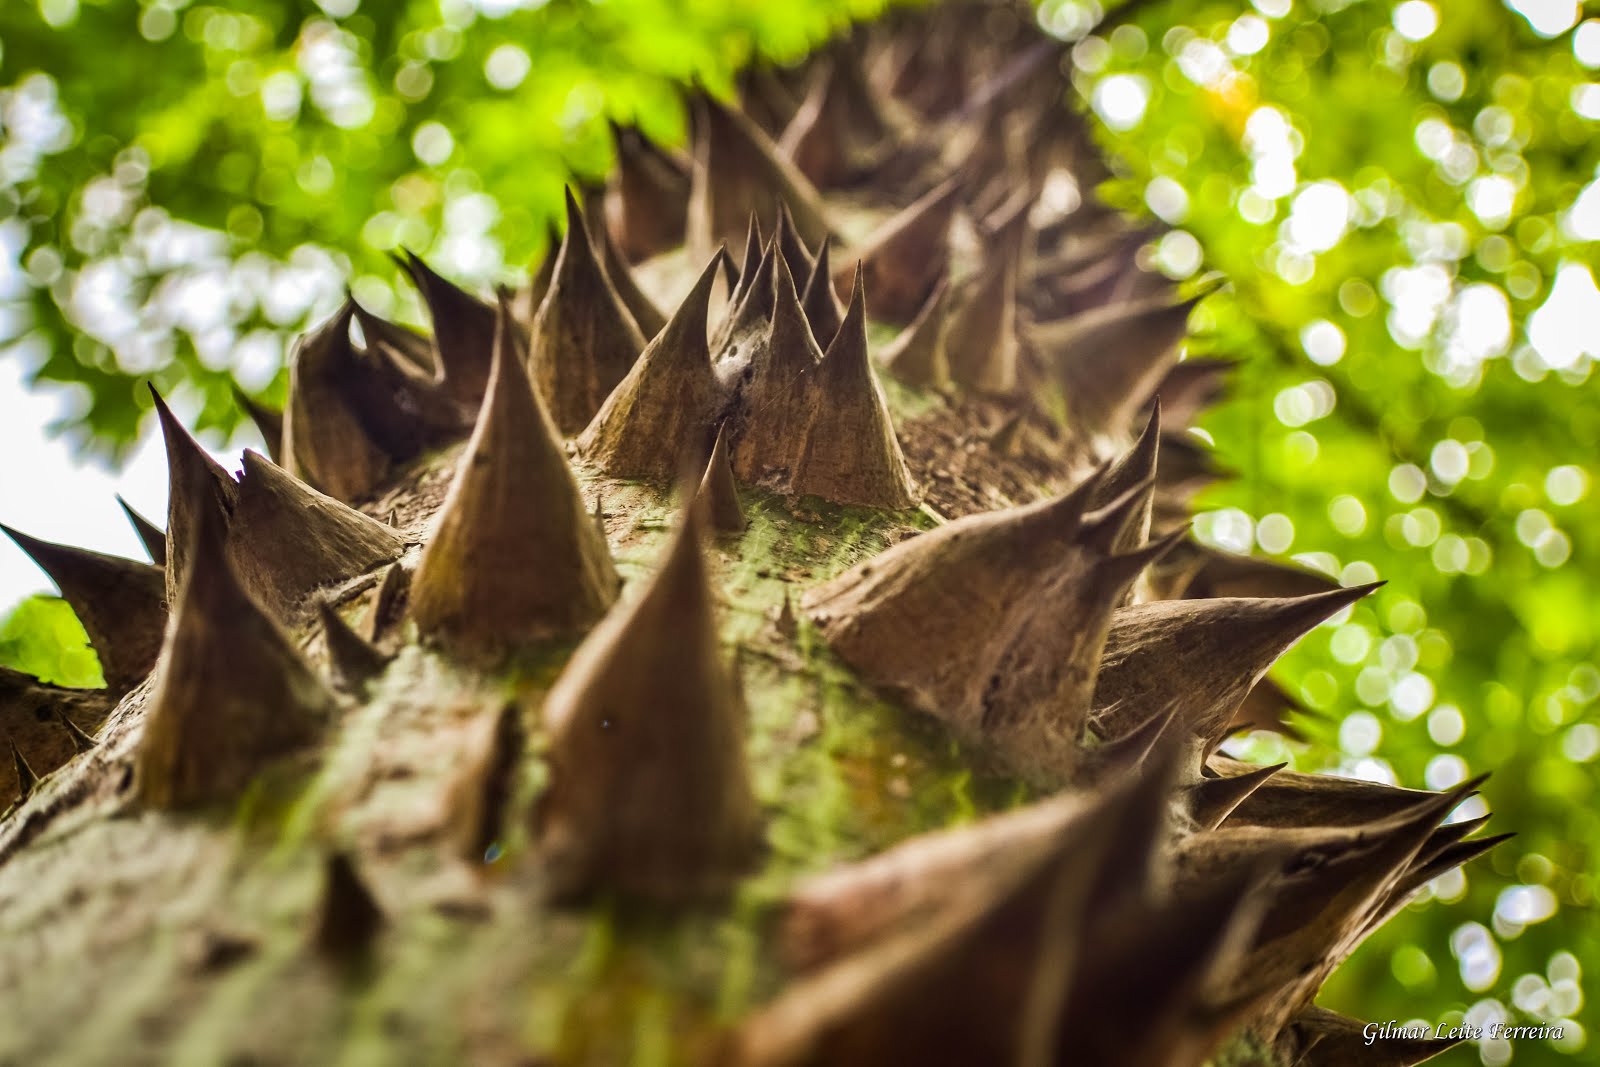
[{"x": 469, "y": 738}]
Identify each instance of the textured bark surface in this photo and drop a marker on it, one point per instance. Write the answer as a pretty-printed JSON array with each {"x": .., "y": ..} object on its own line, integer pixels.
[{"x": 898, "y": 742}]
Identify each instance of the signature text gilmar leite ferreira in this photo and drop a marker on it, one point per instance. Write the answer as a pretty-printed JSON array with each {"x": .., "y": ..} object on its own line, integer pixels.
[{"x": 1394, "y": 1031}]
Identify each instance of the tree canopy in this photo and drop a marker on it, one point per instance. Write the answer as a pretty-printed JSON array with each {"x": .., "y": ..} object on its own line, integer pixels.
[{"x": 1403, "y": 198}]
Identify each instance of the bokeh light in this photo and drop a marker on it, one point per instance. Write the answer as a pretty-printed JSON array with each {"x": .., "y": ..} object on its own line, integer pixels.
[{"x": 1404, "y": 196}]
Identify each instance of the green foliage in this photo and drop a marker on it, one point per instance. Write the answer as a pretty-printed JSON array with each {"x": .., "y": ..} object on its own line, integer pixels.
[
  {"x": 1386, "y": 425},
  {"x": 184, "y": 186},
  {"x": 187, "y": 186},
  {"x": 44, "y": 638}
]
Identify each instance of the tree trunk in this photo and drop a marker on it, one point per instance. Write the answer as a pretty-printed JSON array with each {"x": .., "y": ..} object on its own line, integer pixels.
[{"x": 816, "y": 673}]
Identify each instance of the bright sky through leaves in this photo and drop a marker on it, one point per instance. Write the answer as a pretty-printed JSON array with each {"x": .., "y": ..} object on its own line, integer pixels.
[{"x": 1405, "y": 197}]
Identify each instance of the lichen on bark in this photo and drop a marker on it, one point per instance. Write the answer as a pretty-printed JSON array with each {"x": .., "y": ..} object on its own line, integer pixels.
[{"x": 539, "y": 745}]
